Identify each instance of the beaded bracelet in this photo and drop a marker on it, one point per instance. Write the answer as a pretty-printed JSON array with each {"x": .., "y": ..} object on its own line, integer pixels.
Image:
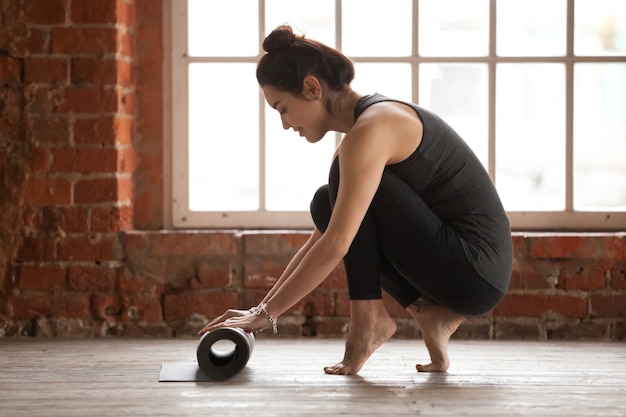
[{"x": 261, "y": 309}]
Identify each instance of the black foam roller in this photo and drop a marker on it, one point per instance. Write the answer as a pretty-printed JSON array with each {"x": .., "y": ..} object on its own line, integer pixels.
[{"x": 219, "y": 366}]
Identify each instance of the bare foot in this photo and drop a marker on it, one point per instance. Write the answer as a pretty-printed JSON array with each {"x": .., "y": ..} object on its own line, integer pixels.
[
  {"x": 438, "y": 323},
  {"x": 370, "y": 327}
]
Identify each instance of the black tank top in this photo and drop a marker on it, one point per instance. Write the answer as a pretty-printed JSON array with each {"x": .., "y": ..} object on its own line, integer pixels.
[{"x": 452, "y": 181}]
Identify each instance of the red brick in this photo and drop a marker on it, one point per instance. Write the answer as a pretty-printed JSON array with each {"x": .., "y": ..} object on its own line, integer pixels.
[
  {"x": 150, "y": 101},
  {"x": 89, "y": 100},
  {"x": 262, "y": 272},
  {"x": 41, "y": 99},
  {"x": 125, "y": 13},
  {"x": 342, "y": 304},
  {"x": 608, "y": 305},
  {"x": 337, "y": 279},
  {"x": 31, "y": 219},
  {"x": 10, "y": 70},
  {"x": 12, "y": 110},
  {"x": 46, "y": 70},
  {"x": 39, "y": 160},
  {"x": 149, "y": 187},
  {"x": 126, "y": 42},
  {"x": 334, "y": 327},
  {"x": 101, "y": 11},
  {"x": 94, "y": 71},
  {"x": 213, "y": 275},
  {"x": 68, "y": 306},
  {"x": 102, "y": 190},
  {"x": 618, "y": 277},
  {"x": 194, "y": 243},
  {"x": 126, "y": 159},
  {"x": 585, "y": 276},
  {"x": 105, "y": 130},
  {"x": 111, "y": 219},
  {"x": 126, "y": 103},
  {"x": 107, "y": 307},
  {"x": 124, "y": 71},
  {"x": 48, "y": 191},
  {"x": 73, "y": 40},
  {"x": 91, "y": 279},
  {"x": 37, "y": 41},
  {"x": 317, "y": 303},
  {"x": 72, "y": 218},
  {"x": 90, "y": 248},
  {"x": 50, "y": 130},
  {"x": 48, "y": 12},
  {"x": 131, "y": 283},
  {"x": 263, "y": 243},
  {"x": 137, "y": 244},
  {"x": 536, "y": 305},
  {"x": 209, "y": 304},
  {"x": 574, "y": 246},
  {"x": 143, "y": 308},
  {"x": 85, "y": 160},
  {"x": 50, "y": 221},
  {"x": 529, "y": 279},
  {"x": 42, "y": 278}
]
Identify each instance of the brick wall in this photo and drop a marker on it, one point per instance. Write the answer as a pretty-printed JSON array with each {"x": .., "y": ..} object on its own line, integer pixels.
[{"x": 83, "y": 250}]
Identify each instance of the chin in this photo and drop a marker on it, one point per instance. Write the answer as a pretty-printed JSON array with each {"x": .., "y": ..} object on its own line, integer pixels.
[{"x": 314, "y": 138}]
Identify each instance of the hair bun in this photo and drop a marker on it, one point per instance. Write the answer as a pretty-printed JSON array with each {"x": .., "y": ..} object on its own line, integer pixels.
[{"x": 281, "y": 38}]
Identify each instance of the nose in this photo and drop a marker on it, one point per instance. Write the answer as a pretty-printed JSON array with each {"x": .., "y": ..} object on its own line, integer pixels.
[{"x": 286, "y": 124}]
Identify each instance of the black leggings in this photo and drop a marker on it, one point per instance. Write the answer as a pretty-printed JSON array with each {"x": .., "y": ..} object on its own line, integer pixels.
[{"x": 405, "y": 249}]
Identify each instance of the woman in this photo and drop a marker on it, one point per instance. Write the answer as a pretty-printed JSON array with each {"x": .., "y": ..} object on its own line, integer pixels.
[{"x": 408, "y": 208}]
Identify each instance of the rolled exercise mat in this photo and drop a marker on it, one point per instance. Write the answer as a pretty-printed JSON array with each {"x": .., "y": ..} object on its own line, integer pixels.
[{"x": 219, "y": 366}]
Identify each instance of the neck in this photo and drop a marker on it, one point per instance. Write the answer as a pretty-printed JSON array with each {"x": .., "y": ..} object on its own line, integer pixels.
[{"x": 341, "y": 107}]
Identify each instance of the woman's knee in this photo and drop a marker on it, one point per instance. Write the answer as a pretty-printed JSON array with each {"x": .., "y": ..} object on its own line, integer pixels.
[{"x": 320, "y": 208}]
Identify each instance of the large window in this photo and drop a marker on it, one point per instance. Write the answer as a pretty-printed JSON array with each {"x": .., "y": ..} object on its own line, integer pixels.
[{"x": 537, "y": 88}]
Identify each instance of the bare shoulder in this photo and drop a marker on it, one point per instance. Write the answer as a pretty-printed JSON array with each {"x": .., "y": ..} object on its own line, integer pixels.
[{"x": 392, "y": 128}]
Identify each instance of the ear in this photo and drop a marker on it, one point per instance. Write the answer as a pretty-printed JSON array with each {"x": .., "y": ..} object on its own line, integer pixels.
[{"x": 311, "y": 88}]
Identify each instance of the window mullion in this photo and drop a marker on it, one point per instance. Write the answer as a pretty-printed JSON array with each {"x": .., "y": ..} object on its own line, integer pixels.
[
  {"x": 569, "y": 110},
  {"x": 415, "y": 58},
  {"x": 491, "y": 65},
  {"x": 262, "y": 154}
]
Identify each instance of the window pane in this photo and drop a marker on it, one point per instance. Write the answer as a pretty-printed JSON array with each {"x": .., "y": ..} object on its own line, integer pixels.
[
  {"x": 223, "y": 137},
  {"x": 600, "y": 27},
  {"x": 600, "y": 137},
  {"x": 530, "y": 136},
  {"x": 453, "y": 27},
  {"x": 523, "y": 31},
  {"x": 294, "y": 168},
  {"x": 458, "y": 93},
  {"x": 223, "y": 28},
  {"x": 313, "y": 18},
  {"x": 373, "y": 28},
  {"x": 392, "y": 80}
]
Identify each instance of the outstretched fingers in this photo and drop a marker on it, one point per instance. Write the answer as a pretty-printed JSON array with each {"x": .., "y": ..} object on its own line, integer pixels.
[{"x": 221, "y": 321}]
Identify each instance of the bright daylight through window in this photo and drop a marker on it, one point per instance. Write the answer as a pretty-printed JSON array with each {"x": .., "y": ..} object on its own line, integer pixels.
[{"x": 540, "y": 97}]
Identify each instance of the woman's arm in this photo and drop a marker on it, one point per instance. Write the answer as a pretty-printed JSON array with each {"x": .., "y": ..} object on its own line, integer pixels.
[{"x": 365, "y": 151}]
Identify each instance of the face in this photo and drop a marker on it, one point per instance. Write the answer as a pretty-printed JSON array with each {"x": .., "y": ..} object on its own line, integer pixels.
[{"x": 304, "y": 114}]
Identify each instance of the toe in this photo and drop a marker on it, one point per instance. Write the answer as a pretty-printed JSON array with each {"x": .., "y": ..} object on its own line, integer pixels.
[{"x": 431, "y": 367}]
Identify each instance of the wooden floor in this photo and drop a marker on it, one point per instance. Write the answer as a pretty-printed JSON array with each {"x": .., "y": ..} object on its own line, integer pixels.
[{"x": 112, "y": 377}]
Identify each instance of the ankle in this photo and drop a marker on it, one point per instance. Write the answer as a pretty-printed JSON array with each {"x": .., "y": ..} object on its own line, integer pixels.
[{"x": 367, "y": 308}]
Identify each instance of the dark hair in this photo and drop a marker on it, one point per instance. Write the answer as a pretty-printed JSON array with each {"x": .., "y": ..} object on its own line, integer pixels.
[{"x": 291, "y": 57}]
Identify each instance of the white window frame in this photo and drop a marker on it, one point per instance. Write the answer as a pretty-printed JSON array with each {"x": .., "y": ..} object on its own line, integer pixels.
[{"x": 182, "y": 217}]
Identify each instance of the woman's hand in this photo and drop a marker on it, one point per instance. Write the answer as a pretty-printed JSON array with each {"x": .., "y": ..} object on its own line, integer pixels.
[{"x": 243, "y": 319}]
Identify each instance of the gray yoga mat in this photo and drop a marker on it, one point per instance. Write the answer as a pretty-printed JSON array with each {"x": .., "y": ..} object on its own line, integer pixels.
[{"x": 212, "y": 364}]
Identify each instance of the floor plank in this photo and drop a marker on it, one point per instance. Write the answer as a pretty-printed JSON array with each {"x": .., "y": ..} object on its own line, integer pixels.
[{"x": 119, "y": 377}]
